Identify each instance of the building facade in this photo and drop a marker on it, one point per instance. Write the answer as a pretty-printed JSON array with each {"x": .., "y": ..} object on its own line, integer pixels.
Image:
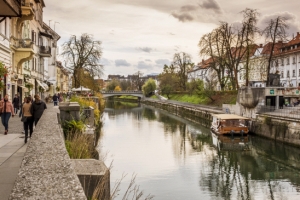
[{"x": 28, "y": 49}]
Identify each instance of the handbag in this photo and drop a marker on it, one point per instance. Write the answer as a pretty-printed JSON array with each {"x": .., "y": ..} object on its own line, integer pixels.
[{"x": 24, "y": 119}]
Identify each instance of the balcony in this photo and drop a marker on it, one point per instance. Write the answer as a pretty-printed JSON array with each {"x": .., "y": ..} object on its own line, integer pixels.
[
  {"x": 45, "y": 51},
  {"x": 27, "y": 13},
  {"x": 27, "y": 8},
  {"x": 23, "y": 50},
  {"x": 10, "y": 8}
]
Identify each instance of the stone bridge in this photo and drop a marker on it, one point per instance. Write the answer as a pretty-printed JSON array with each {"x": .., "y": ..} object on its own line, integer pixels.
[{"x": 135, "y": 93}]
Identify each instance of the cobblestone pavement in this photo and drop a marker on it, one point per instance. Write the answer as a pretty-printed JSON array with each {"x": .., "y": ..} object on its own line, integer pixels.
[{"x": 12, "y": 150}]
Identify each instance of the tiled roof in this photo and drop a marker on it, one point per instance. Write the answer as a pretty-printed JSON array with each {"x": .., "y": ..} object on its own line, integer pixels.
[
  {"x": 204, "y": 63},
  {"x": 295, "y": 40},
  {"x": 267, "y": 48}
]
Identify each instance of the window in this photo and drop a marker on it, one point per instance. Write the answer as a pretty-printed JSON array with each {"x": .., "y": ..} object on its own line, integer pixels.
[
  {"x": 282, "y": 76},
  {"x": 287, "y": 60},
  {"x": 288, "y": 74},
  {"x": 299, "y": 73},
  {"x": 294, "y": 60},
  {"x": 294, "y": 73},
  {"x": 282, "y": 62}
]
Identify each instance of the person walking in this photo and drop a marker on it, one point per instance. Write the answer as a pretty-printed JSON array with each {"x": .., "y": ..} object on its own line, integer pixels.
[
  {"x": 21, "y": 111},
  {"x": 37, "y": 108},
  {"x": 27, "y": 118},
  {"x": 7, "y": 110},
  {"x": 55, "y": 99},
  {"x": 16, "y": 103}
]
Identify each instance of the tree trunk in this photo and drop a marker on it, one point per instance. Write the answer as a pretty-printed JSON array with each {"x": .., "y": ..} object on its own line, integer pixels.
[{"x": 271, "y": 53}]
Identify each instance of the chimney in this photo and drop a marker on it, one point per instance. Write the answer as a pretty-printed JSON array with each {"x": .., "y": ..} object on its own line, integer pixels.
[
  {"x": 260, "y": 45},
  {"x": 297, "y": 33},
  {"x": 202, "y": 60},
  {"x": 279, "y": 41}
]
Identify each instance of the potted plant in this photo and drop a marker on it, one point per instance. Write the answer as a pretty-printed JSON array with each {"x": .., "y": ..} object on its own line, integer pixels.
[{"x": 41, "y": 89}]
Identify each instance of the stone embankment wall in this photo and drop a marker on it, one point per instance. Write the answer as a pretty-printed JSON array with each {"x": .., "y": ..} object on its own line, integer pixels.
[
  {"x": 196, "y": 113},
  {"x": 283, "y": 129},
  {"x": 47, "y": 171}
]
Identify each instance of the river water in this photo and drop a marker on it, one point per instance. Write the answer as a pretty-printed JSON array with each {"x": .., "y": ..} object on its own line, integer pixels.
[{"x": 176, "y": 159}]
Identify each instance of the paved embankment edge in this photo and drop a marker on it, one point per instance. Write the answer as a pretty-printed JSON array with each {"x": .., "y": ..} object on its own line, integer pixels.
[{"x": 47, "y": 171}]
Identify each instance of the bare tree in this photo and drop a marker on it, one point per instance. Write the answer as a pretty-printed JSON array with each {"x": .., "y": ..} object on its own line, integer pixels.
[
  {"x": 274, "y": 32},
  {"x": 182, "y": 63},
  {"x": 83, "y": 53},
  {"x": 229, "y": 46},
  {"x": 213, "y": 46},
  {"x": 137, "y": 81},
  {"x": 250, "y": 30}
]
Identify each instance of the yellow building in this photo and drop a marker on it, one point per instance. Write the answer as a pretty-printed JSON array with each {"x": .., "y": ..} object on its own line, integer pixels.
[{"x": 28, "y": 50}]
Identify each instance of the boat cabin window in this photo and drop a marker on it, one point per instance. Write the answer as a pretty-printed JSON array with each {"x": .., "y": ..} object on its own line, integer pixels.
[{"x": 233, "y": 122}]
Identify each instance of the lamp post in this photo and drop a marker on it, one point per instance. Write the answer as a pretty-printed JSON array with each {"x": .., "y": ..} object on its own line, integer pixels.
[{"x": 54, "y": 24}]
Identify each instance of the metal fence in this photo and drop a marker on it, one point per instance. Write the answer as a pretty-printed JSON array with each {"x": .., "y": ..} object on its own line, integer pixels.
[{"x": 290, "y": 112}]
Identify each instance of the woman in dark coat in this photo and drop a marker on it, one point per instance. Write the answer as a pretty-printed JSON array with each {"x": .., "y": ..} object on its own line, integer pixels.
[
  {"x": 16, "y": 103},
  {"x": 37, "y": 108}
]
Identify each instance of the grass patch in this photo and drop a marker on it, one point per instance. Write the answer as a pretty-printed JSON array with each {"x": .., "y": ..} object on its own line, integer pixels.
[{"x": 219, "y": 98}]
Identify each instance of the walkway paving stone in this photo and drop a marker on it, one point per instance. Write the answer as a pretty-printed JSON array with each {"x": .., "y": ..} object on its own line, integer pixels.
[{"x": 12, "y": 150}]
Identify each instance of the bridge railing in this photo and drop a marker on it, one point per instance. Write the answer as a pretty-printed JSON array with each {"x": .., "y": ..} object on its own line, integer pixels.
[{"x": 126, "y": 91}]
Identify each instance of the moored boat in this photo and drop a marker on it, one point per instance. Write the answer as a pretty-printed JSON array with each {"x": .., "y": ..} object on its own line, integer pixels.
[{"x": 229, "y": 124}]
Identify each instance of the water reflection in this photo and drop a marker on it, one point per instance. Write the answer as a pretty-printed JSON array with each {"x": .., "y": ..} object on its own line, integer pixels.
[{"x": 177, "y": 159}]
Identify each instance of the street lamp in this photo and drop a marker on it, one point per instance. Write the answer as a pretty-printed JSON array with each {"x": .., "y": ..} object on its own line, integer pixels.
[{"x": 54, "y": 24}]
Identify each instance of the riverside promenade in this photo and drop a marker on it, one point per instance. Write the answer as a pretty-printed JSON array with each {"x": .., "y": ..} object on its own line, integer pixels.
[{"x": 12, "y": 150}]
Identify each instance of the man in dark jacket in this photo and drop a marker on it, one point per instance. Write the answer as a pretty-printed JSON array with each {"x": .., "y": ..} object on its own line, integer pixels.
[
  {"x": 16, "y": 103},
  {"x": 55, "y": 99},
  {"x": 37, "y": 108}
]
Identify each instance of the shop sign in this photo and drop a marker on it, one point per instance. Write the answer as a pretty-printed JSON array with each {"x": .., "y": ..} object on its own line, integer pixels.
[
  {"x": 297, "y": 91},
  {"x": 272, "y": 91}
]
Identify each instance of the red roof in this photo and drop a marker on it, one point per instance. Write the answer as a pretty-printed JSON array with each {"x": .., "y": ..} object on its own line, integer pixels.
[
  {"x": 205, "y": 63},
  {"x": 267, "y": 48}
]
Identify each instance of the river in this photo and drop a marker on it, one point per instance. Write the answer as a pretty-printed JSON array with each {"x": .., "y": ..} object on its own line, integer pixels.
[{"x": 173, "y": 158}]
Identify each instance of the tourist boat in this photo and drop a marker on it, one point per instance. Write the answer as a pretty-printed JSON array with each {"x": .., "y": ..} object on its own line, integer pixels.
[
  {"x": 229, "y": 124},
  {"x": 230, "y": 143}
]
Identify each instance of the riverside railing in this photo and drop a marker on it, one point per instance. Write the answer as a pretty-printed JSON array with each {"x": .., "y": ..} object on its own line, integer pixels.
[{"x": 290, "y": 112}]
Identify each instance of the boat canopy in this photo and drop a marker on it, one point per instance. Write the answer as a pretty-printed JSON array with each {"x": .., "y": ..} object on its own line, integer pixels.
[{"x": 229, "y": 116}]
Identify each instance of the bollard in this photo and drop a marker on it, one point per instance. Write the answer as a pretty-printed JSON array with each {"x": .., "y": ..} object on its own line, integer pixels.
[
  {"x": 242, "y": 135},
  {"x": 231, "y": 132}
]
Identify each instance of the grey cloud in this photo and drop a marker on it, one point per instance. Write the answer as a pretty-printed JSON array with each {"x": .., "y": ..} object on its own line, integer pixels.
[
  {"x": 211, "y": 5},
  {"x": 143, "y": 65},
  {"x": 290, "y": 18},
  {"x": 148, "y": 60},
  {"x": 105, "y": 62},
  {"x": 145, "y": 49},
  {"x": 183, "y": 17},
  {"x": 162, "y": 62},
  {"x": 121, "y": 62},
  {"x": 187, "y": 8}
]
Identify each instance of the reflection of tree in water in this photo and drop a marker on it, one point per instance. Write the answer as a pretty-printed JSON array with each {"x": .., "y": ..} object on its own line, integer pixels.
[
  {"x": 149, "y": 114},
  {"x": 244, "y": 174},
  {"x": 170, "y": 125},
  {"x": 117, "y": 105}
]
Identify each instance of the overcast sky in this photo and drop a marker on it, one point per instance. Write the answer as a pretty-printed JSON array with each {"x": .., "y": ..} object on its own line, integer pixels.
[{"x": 143, "y": 35}]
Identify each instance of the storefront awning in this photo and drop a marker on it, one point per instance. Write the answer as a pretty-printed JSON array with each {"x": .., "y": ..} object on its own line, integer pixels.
[
  {"x": 10, "y": 8},
  {"x": 40, "y": 84},
  {"x": 46, "y": 86}
]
